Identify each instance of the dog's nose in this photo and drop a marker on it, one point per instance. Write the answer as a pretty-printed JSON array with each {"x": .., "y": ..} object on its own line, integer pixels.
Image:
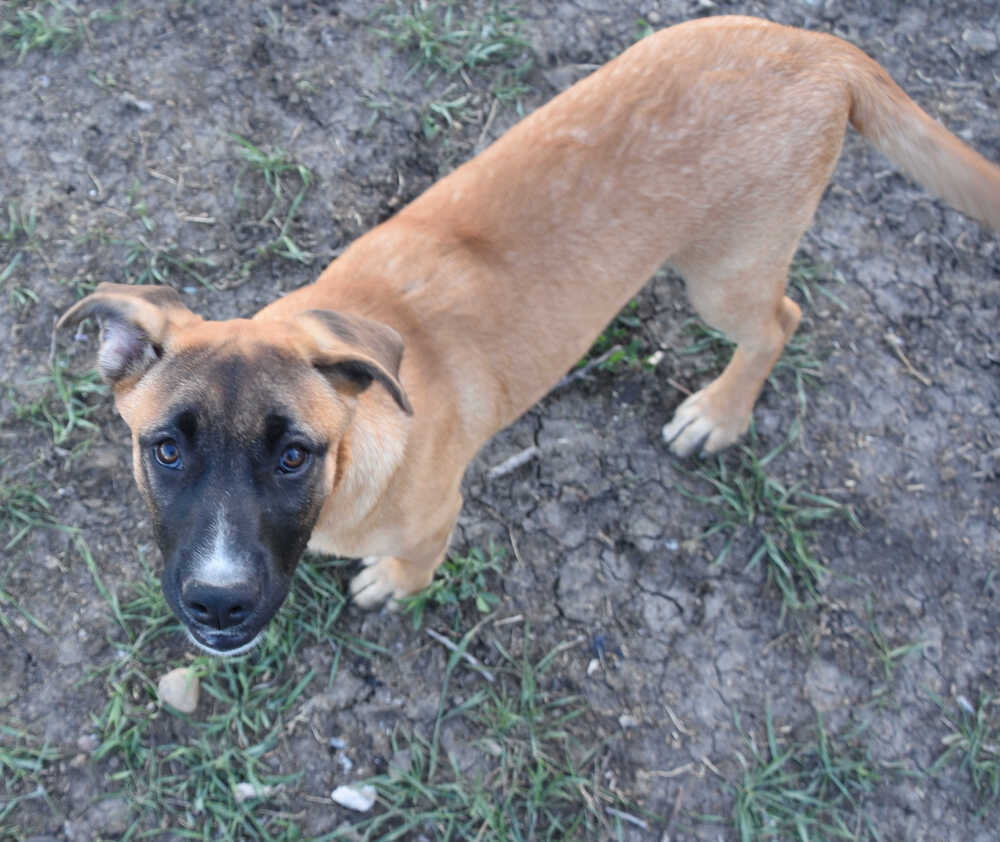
[{"x": 220, "y": 607}]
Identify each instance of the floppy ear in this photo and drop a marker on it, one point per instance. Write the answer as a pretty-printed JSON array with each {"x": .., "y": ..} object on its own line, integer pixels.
[
  {"x": 354, "y": 351},
  {"x": 135, "y": 324}
]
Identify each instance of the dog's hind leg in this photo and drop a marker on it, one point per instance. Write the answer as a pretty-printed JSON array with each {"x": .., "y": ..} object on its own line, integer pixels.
[{"x": 750, "y": 307}]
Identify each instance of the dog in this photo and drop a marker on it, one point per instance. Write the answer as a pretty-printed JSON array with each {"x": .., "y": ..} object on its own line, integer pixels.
[{"x": 706, "y": 146}]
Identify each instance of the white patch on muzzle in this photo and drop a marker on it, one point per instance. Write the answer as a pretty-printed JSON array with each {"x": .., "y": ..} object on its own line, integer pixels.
[{"x": 218, "y": 564}]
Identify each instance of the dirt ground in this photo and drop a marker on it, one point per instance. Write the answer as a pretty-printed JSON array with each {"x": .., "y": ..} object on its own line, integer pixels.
[{"x": 120, "y": 147}]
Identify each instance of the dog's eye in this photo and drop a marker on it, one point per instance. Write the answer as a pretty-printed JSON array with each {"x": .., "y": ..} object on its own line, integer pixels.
[
  {"x": 293, "y": 459},
  {"x": 168, "y": 454}
]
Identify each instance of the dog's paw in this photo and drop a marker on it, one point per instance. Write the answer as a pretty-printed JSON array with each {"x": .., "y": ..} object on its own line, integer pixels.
[
  {"x": 699, "y": 426},
  {"x": 383, "y": 579}
]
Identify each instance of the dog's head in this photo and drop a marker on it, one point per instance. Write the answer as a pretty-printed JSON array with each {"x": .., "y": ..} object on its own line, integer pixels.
[{"x": 239, "y": 431}]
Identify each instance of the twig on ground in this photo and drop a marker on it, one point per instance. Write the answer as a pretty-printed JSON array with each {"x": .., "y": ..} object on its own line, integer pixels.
[
  {"x": 626, "y": 817},
  {"x": 473, "y": 662},
  {"x": 510, "y": 465},
  {"x": 684, "y": 390},
  {"x": 581, "y": 373},
  {"x": 896, "y": 343}
]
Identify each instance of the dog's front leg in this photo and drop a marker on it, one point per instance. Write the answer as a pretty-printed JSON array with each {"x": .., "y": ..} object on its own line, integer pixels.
[{"x": 396, "y": 577}]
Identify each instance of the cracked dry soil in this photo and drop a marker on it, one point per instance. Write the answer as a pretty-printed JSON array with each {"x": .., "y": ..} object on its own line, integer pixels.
[{"x": 601, "y": 544}]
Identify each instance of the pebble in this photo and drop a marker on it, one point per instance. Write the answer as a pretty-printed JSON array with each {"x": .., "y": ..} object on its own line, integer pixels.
[
  {"x": 88, "y": 743},
  {"x": 179, "y": 689},
  {"x": 245, "y": 790},
  {"x": 980, "y": 41},
  {"x": 361, "y": 798}
]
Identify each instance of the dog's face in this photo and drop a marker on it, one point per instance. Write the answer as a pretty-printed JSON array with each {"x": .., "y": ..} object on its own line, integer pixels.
[{"x": 238, "y": 434}]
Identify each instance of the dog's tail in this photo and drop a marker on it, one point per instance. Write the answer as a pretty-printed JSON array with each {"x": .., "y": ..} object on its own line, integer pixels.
[{"x": 923, "y": 148}]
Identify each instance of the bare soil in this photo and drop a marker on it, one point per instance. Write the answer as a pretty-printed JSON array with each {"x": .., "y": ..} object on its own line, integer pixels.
[{"x": 126, "y": 137}]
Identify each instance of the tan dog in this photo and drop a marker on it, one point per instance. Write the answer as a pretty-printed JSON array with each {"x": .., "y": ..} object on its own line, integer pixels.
[{"x": 707, "y": 145}]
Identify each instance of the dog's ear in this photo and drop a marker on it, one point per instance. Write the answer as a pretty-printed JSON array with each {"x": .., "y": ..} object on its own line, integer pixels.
[
  {"x": 135, "y": 322},
  {"x": 354, "y": 351}
]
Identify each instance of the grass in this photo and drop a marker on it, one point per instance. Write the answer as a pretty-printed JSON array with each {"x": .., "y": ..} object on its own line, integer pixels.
[
  {"x": 449, "y": 47},
  {"x": 460, "y": 580},
  {"x": 151, "y": 264},
  {"x": 750, "y": 502},
  {"x": 621, "y": 344},
  {"x": 62, "y": 404},
  {"x": 812, "y": 279},
  {"x": 22, "y": 509},
  {"x": 974, "y": 741},
  {"x": 189, "y": 773},
  {"x": 47, "y": 25},
  {"x": 17, "y": 239},
  {"x": 285, "y": 182},
  {"x": 530, "y": 780},
  {"x": 447, "y": 43},
  {"x": 889, "y": 656},
  {"x": 809, "y": 791},
  {"x": 25, "y": 762}
]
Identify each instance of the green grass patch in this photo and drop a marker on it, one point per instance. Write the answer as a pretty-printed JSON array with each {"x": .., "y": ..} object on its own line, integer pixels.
[
  {"x": 190, "y": 774},
  {"x": 973, "y": 741},
  {"x": 25, "y": 763},
  {"x": 620, "y": 345},
  {"x": 446, "y": 41},
  {"x": 533, "y": 776},
  {"x": 752, "y": 503},
  {"x": 17, "y": 239},
  {"x": 811, "y": 790},
  {"x": 47, "y": 25},
  {"x": 146, "y": 263},
  {"x": 22, "y": 508},
  {"x": 889, "y": 655},
  {"x": 459, "y": 582},
  {"x": 283, "y": 183},
  {"x": 61, "y": 402},
  {"x": 811, "y": 279},
  {"x": 459, "y": 49}
]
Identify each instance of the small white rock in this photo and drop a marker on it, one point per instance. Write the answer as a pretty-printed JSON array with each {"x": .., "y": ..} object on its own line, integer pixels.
[
  {"x": 361, "y": 798},
  {"x": 88, "y": 743},
  {"x": 980, "y": 41},
  {"x": 245, "y": 790},
  {"x": 179, "y": 689}
]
